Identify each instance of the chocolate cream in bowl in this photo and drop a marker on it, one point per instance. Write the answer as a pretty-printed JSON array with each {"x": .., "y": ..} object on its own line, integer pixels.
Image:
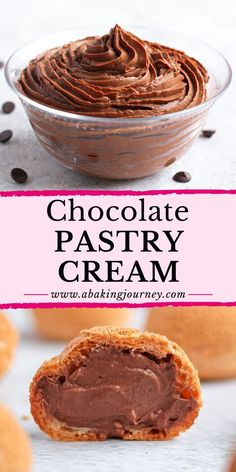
[{"x": 117, "y": 75}]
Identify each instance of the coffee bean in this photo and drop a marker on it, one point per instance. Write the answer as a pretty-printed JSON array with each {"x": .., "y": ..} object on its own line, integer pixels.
[
  {"x": 1, "y": 64},
  {"x": 208, "y": 133},
  {"x": 19, "y": 175},
  {"x": 182, "y": 177},
  {"x": 5, "y": 135},
  {"x": 8, "y": 107}
]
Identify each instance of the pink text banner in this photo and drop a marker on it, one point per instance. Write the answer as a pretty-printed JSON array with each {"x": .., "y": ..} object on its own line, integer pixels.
[{"x": 117, "y": 248}]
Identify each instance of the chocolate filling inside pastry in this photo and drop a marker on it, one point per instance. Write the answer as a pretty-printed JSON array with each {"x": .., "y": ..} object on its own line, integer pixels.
[{"x": 112, "y": 391}]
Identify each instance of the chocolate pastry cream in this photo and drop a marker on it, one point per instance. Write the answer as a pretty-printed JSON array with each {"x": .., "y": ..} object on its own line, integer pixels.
[
  {"x": 114, "y": 390},
  {"x": 110, "y": 383},
  {"x": 115, "y": 75},
  {"x": 136, "y": 85}
]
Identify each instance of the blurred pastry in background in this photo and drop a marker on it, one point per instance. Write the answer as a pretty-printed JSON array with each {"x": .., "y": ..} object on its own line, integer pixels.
[
  {"x": 15, "y": 449},
  {"x": 232, "y": 467},
  {"x": 207, "y": 335},
  {"x": 8, "y": 342},
  {"x": 66, "y": 323}
]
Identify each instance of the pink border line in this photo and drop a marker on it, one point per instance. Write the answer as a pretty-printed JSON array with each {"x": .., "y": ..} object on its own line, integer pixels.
[
  {"x": 49, "y": 193},
  {"x": 110, "y": 305}
]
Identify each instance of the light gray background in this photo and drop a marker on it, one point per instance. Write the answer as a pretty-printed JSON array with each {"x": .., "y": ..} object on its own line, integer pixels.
[
  {"x": 212, "y": 162},
  {"x": 205, "y": 447}
]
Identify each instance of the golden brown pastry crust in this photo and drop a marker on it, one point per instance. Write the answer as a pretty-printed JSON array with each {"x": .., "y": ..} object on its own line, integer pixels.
[
  {"x": 159, "y": 346},
  {"x": 232, "y": 467},
  {"x": 66, "y": 323},
  {"x": 15, "y": 450},
  {"x": 207, "y": 335},
  {"x": 8, "y": 342}
]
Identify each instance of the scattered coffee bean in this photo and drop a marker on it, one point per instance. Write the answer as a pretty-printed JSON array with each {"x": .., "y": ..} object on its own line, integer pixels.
[
  {"x": 1, "y": 64},
  {"x": 182, "y": 177},
  {"x": 19, "y": 175},
  {"x": 208, "y": 133},
  {"x": 5, "y": 135},
  {"x": 8, "y": 107}
]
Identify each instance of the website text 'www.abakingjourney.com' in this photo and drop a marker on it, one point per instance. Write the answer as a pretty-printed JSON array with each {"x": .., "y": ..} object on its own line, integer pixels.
[{"x": 119, "y": 295}]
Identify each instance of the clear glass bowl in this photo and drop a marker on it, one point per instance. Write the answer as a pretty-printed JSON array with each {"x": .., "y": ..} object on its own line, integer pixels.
[{"x": 119, "y": 148}]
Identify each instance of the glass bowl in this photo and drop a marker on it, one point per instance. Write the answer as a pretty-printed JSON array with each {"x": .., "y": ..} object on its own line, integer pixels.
[{"x": 119, "y": 148}]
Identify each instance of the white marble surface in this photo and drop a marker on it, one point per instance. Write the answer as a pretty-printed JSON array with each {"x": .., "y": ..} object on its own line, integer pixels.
[
  {"x": 212, "y": 163},
  {"x": 206, "y": 447}
]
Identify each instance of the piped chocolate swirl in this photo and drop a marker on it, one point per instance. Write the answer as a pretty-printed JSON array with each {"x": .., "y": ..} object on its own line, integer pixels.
[{"x": 115, "y": 75}]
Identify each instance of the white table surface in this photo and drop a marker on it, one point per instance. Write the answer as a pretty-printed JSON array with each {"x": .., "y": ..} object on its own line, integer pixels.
[
  {"x": 212, "y": 162},
  {"x": 206, "y": 447}
]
